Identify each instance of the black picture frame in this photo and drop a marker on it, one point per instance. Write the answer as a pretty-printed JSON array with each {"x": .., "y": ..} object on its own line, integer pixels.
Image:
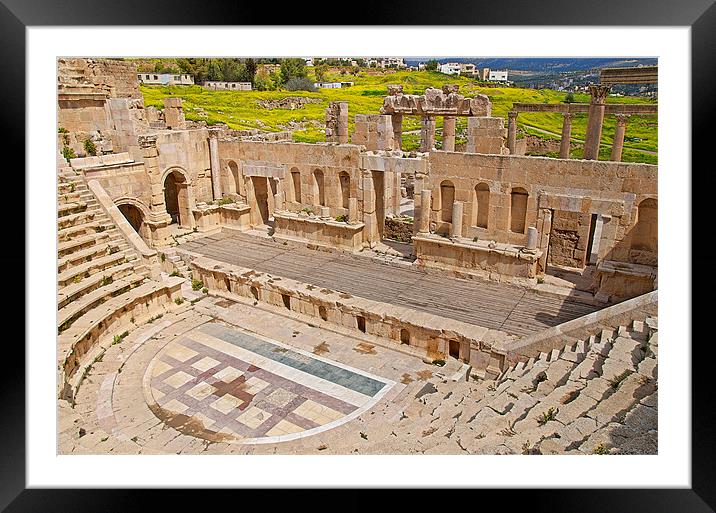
[{"x": 17, "y": 15}]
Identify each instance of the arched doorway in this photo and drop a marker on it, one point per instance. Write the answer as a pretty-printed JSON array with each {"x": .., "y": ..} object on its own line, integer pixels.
[
  {"x": 135, "y": 217},
  {"x": 234, "y": 178},
  {"x": 176, "y": 198}
]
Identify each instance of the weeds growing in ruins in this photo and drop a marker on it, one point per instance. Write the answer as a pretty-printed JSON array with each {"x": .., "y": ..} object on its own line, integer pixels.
[
  {"x": 179, "y": 300},
  {"x": 342, "y": 218},
  {"x": 205, "y": 290},
  {"x": 196, "y": 284},
  {"x": 546, "y": 416},
  {"x": 106, "y": 280},
  {"x": 616, "y": 381},
  {"x": 600, "y": 449},
  {"x": 177, "y": 273},
  {"x": 118, "y": 338},
  {"x": 225, "y": 201}
]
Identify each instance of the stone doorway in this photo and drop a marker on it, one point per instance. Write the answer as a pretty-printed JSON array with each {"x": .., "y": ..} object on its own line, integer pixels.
[
  {"x": 136, "y": 219},
  {"x": 379, "y": 188},
  {"x": 454, "y": 349},
  {"x": 261, "y": 189},
  {"x": 176, "y": 199}
]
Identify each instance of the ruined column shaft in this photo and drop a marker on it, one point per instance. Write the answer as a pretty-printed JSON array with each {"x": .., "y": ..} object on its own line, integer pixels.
[
  {"x": 427, "y": 133},
  {"x": 424, "y": 220},
  {"x": 397, "y": 120},
  {"x": 595, "y": 121},
  {"x": 456, "y": 225},
  {"x": 449, "y": 133},
  {"x": 214, "y": 158},
  {"x": 564, "y": 147},
  {"x": 512, "y": 131},
  {"x": 618, "y": 143}
]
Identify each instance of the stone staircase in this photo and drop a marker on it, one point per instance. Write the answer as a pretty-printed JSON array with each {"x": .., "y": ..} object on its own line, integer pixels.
[
  {"x": 103, "y": 285},
  {"x": 95, "y": 263},
  {"x": 595, "y": 396}
]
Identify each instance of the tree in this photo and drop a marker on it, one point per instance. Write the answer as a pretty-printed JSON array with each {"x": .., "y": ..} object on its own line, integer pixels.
[
  {"x": 214, "y": 71},
  {"x": 431, "y": 65},
  {"x": 292, "y": 68},
  {"x": 263, "y": 81},
  {"x": 320, "y": 72},
  {"x": 250, "y": 70},
  {"x": 569, "y": 98},
  {"x": 231, "y": 70}
]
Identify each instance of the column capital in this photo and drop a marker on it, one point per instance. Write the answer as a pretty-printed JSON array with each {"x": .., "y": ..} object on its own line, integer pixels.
[
  {"x": 598, "y": 93},
  {"x": 512, "y": 114},
  {"x": 568, "y": 116},
  {"x": 213, "y": 133},
  {"x": 622, "y": 119}
]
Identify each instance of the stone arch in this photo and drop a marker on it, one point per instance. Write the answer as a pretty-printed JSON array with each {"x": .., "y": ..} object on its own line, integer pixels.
[
  {"x": 518, "y": 209},
  {"x": 319, "y": 190},
  {"x": 233, "y": 178},
  {"x": 345, "y": 182},
  {"x": 645, "y": 233},
  {"x": 447, "y": 198},
  {"x": 480, "y": 205},
  {"x": 178, "y": 196}
]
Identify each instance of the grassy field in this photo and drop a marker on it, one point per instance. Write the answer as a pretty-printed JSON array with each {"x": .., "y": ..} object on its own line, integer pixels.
[{"x": 240, "y": 110}]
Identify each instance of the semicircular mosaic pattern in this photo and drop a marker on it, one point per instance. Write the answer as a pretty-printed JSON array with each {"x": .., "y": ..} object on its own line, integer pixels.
[{"x": 220, "y": 383}]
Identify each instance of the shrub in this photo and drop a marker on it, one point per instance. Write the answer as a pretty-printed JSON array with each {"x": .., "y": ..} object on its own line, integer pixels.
[
  {"x": 342, "y": 218},
  {"x": 196, "y": 284},
  {"x": 176, "y": 273},
  {"x": 62, "y": 130},
  {"x": 205, "y": 290},
  {"x": 179, "y": 300},
  {"x": 90, "y": 147},
  {"x": 300, "y": 84},
  {"x": 225, "y": 201},
  {"x": 68, "y": 153}
]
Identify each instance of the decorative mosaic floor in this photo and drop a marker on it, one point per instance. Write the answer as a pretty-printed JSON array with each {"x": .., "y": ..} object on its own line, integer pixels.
[{"x": 222, "y": 384}]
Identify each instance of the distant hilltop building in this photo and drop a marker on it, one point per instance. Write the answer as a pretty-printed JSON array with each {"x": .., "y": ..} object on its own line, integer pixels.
[
  {"x": 387, "y": 62},
  {"x": 497, "y": 76},
  {"x": 216, "y": 85},
  {"x": 332, "y": 85},
  {"x": 165, "y": 79},
  {"x": 458, "y": 68}
]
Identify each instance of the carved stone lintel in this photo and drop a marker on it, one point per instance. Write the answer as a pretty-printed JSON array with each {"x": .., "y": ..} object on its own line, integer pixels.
[{"x": 147, "y": 141}]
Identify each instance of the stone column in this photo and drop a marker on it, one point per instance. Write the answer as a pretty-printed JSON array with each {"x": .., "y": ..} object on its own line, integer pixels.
[
  {"x": 352, "y": 210},
  {"x": 214, "y": 158},
  {"x": 595, "y": 121},
  {"x": 512, "y": 131},
  {"x": 449, "y": 133},
  {"x": 397, "y": 120},
  {"x": 596, "y": 239},
  {"x": 532, "y": 236},
  {"x": 618, "y": 143},
  {"x": 424, "y": 220},
  {"x": 564, "y": 147},
  {"x": 456, "y": 225},
  {"x": 427, "y": 133},
  {"x": 277, "y": 201},
  {"x": 370, "y": 232}
]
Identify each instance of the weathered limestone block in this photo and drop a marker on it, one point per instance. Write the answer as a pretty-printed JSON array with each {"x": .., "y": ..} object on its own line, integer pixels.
[{"x": 337, "y": 122}]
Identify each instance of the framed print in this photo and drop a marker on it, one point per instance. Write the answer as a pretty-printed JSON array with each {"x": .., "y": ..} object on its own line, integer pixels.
[{"x": 413, "y": 252}]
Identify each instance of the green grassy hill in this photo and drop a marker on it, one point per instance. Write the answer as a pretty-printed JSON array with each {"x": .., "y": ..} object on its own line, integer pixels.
[{"x": 240, "y": 110}]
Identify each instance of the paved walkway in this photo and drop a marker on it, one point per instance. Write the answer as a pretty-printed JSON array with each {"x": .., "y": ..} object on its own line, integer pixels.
[{"x": 491, "y": 305}]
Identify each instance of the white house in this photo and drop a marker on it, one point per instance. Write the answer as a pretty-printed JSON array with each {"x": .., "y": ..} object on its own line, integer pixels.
[
  {"x": 497, "y": 76},
  {"x": 450, "y": 68},
  {"x": 165, "y": 79},
  {"x": 216, "y": 85}
]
